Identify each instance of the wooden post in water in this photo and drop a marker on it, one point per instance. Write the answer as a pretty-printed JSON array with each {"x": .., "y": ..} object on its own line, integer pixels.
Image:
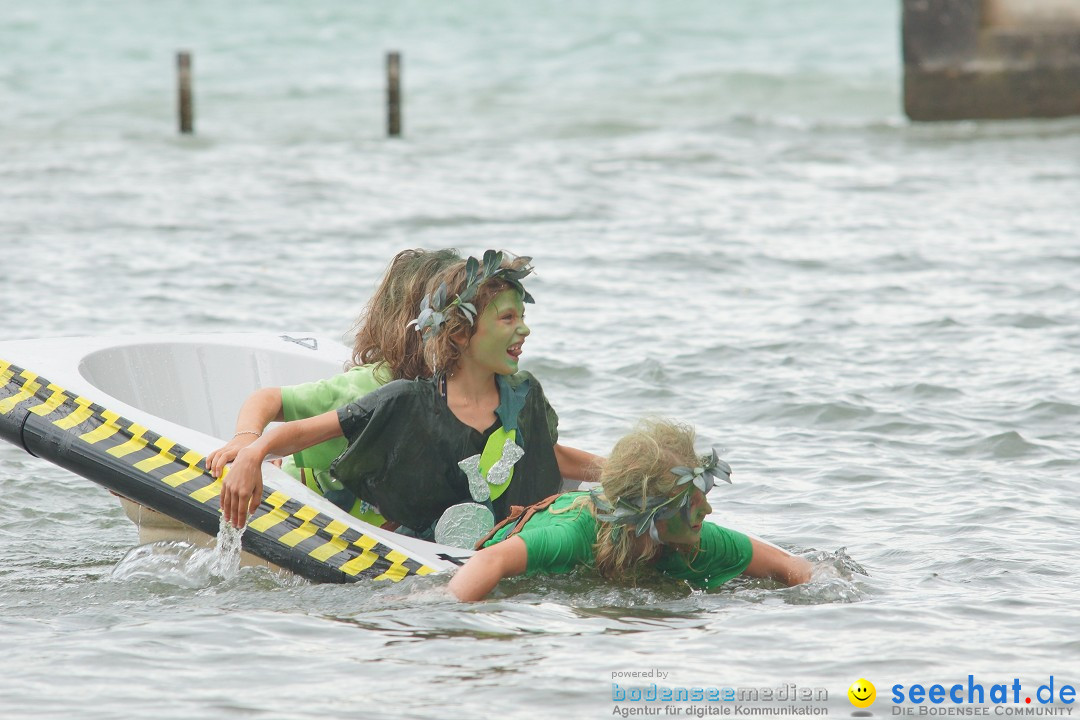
[
  {"x": 393, "y": 94},
  {"x": 186, "y": 104}
]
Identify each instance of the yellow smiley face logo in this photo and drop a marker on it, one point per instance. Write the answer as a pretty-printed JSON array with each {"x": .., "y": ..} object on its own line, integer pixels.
[{"x": 862, "y": 693}]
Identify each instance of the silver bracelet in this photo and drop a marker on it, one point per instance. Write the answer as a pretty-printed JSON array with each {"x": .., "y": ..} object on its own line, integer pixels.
[{"x": 256, "y": 433}]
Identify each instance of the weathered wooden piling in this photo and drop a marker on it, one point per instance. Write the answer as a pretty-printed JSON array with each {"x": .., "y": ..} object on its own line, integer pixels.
[
  {"x": 186, "y": 103},
  {"x": 991, "y": 59},
  {"x": 393, "y": 94}
]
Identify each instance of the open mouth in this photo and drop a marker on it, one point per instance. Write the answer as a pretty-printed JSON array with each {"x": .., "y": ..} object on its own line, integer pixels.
[{"x": 514, "y": 351}]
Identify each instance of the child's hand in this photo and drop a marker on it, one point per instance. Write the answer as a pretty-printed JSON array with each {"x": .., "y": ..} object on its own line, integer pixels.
[
  {"x": 241, "y": 489},
  {"x": 218, "y": 459}
]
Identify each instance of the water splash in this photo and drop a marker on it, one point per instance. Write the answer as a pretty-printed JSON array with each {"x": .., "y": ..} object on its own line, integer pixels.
[
  {"x": 225, "y": 561},
  {"x": 183, "y": 564},
  {"x": 835, "y": 578},
  {"x": 828, "y": 565}
]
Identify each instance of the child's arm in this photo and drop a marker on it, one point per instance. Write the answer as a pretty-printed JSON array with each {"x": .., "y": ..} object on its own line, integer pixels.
[
  {"x": 771, "y": 562},
  {"x": 241, "y": 489},
  {"x": 485, "y": 569},
  {"x": 577, "y": 464},
  {"x": 260, "y": 409}
]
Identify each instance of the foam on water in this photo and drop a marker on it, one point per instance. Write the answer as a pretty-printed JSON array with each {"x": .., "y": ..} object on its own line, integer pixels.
[{"x": 182, "y": 563}]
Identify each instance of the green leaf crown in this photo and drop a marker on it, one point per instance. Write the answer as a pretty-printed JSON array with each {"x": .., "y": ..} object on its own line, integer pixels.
[
  {"x": 642, "y": 513},
  {"x": 434, "y": 308}
]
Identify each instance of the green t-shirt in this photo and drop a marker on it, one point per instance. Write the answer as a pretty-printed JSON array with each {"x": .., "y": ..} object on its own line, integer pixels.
[
  {"x": 312, "y": 465},
  {"x": 315, "y": 398},
  {"x": 557, "y": 542}
]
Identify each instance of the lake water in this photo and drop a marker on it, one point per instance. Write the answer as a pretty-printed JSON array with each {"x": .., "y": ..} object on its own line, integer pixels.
[{"x": 733, "y": 225}]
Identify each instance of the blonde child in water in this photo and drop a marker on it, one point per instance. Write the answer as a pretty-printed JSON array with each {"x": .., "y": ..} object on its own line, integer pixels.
[
  {"x": 648, "y": 514},
  {"x": 410, "y": 442}
]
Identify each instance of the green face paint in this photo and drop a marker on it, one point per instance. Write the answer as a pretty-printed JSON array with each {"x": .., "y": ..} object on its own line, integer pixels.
[
  {"x": 500, "y": 331},
  {"x": 675, "y": 530}
]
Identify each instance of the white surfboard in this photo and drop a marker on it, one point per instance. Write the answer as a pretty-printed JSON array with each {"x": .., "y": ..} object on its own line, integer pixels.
[{"x": 138, "y": 415}]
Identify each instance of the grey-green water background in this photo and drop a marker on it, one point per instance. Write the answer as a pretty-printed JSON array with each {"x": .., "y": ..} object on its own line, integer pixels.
[{"x": 733, "y": 226}]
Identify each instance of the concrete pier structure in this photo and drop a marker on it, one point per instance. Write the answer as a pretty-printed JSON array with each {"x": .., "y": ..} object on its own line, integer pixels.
[{"x": 991, "y": 59}]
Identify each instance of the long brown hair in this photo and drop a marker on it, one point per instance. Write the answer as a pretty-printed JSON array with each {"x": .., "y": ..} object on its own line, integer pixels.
[
  {"x": 382, "y": 335},
  {"x": 442, "y": 352}
]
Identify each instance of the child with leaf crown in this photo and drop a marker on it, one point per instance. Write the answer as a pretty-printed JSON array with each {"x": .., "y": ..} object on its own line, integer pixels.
[
  {"x": 649, "y": 512},
  {"x": 384, "y": 349},
  {"x": 476, "y": 433}
]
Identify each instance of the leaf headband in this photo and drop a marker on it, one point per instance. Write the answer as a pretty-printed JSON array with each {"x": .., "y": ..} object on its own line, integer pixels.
[
  {"x": 434, "y": 307},
  {"x": 642, "y": 513}
]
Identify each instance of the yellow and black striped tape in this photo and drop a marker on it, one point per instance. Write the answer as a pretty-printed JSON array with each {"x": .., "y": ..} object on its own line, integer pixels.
[{"x": 282, "y": 530}]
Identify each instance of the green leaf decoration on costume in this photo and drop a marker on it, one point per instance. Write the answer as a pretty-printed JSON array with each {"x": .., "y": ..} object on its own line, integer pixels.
[
  {"x": 423, "y": 317},
  {"x": 434, "y": 307},
  {"x": 472, "y": 274},
  {"x": 500, "y": 471},
  {"x": 439, "y": 301},
  {"x": 600, "y": 501},
  {"x": 653, "y": 532},
  {"x": 492, "y": 261},
  {"x": 648, "y": 523},
  {"x": 704, "y": 476},
  {"x": 520, "y": 273},
  {"x": 497, "y": 474},
  {"x": 512, "y": 397}
]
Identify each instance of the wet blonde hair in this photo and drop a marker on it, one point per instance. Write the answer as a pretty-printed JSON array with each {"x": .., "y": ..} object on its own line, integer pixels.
[
  {"x": 381, "y": 332},
  {"x": 638, "y": 468},
  {"x": 442, "y": 352}
]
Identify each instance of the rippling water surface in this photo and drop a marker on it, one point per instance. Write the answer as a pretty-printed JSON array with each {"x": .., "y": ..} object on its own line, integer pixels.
[{"x": 733, "y": 225}]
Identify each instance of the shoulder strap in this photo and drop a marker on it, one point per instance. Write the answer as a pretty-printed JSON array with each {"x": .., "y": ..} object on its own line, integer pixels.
[{"x": 519, "y": 515}]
